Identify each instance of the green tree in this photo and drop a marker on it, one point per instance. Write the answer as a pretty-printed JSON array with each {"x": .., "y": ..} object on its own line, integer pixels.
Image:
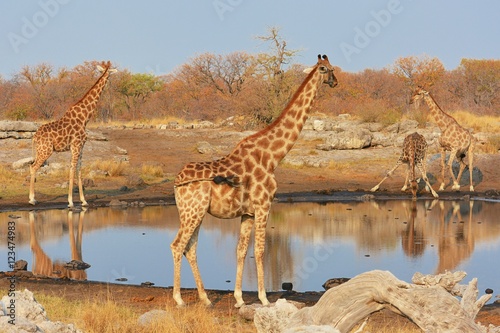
[{"x": 136, "y": 89}]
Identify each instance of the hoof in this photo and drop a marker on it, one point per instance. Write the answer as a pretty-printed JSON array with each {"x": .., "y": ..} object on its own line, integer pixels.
[
  {"x": 239, "y": 305},
  {"x": 33, "y": 202}
]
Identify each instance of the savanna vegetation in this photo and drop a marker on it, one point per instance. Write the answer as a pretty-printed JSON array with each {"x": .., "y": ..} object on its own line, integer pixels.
[{"x": 253, "y": 87}]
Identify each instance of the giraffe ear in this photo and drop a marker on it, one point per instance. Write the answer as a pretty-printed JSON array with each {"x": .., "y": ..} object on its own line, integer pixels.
[
  {"x": 308, "y": 70},
  {"x": 100, "y": 68}
]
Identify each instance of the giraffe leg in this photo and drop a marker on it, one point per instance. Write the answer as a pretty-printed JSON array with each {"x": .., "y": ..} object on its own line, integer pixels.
[
  {"x": 79, "y": 175},
  {"x": 40, "y": 158},
  {"x": 259, "y": 247},
  {"x": 456, "y": 185},
  {"x": 421, "y": 167},
  {"x": 376, "y": 187},
  {"x": 191, "y": 258},
  {"x": 190, "y": 220},
  {"x": 443, "y": 157},
  {"x": 471, "y": 168},
  {"x": 241, "y": 253},
  {"x": 407, "y": 178}
]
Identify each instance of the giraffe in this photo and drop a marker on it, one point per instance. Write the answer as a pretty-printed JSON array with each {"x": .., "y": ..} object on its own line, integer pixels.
[
  {"x": 68, "y": 133},
  {"x": 414, "y": 154},
  {"x": 454, "y": 138},
  {"x": 241, "y": 184}
]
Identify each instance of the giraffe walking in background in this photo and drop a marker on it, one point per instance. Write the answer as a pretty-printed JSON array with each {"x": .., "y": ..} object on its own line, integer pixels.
[
  {"x": 242, "y": 184},
  {"x": 454, "y": 138},
  {"x": 68, "y": 133},
  {"x": 414, "y": 154}
]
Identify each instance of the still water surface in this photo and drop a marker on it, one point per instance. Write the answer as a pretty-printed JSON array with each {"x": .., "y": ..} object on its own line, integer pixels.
[{"x": 307, "y": 243}]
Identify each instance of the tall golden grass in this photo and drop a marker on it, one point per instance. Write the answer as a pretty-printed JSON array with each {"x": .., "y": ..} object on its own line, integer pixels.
[{"x": 108, "y": 316}]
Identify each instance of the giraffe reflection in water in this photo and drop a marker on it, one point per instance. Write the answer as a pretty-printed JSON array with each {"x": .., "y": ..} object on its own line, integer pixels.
[
  {"x": 455, "y": 237},
  {"x": 43, "y": 264}
]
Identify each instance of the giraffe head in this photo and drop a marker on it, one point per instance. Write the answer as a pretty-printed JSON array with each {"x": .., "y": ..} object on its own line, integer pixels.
[
  {"x": 418, "y": 94},
  {"x": 325, "y": 69},
  {"x": 106, "y": 65}
]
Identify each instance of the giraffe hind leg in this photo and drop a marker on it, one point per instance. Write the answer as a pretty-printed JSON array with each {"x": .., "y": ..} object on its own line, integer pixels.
[
  {"x": 185, "y": 241},
  {"x": 246, "y": 226}
]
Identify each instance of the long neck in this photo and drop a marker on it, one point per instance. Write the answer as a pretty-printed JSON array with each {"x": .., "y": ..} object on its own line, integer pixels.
[
  {"x": 84, "y": 108},
  {"x": 278, "y": 138},
  {"x": 441, "y": 118}
]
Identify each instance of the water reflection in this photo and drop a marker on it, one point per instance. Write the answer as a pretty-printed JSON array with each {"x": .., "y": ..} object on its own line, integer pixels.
[
  {"x": 307, "y": 243},
  {"x": 42, "y": 263}
]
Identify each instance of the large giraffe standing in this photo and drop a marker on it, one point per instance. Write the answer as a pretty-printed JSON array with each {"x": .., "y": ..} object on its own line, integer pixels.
[
  {"x": 454, "y": 138},
  {"x": 414, "y": 154},
  {"x": 242, "y": 184},
  {"x": 68, "y": 133}
]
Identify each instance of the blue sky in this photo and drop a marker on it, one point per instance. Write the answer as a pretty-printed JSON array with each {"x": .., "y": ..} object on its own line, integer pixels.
[{"x": 156, "y": 36}]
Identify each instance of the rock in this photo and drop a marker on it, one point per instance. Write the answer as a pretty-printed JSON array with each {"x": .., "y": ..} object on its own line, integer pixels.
[
  {"x": 29, "y": 316},
  {"x": 318, "y": 125},
  {"x": 154, "y": 316},
  {"x": 330, "y": 283},
  {"x": 18, "y": 126},
  {"x": 204, "y": 147},
  {"x": 135, "y": 181},
  {"x": 21, "y": 265},
  {"x": 22, "y": 163},
  {"x": 356, "y": 138},
  {"x": 76, "y": 265},
  {"x": 121, "y": 151},
  {"x": 274, "y": 318}
]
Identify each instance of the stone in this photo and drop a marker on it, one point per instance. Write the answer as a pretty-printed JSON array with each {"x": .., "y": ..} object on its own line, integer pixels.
[
  {"x": 153, "y": 316},
  {"x": 21, "y": 265},
  {"x": 274, "y": 318},
  {"x": 30, "y": 316},
  {"x": 22, "y": 163}
]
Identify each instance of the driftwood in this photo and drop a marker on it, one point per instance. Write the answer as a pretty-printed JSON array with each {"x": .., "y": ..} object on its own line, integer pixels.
[{"x": 429, "y": 302}]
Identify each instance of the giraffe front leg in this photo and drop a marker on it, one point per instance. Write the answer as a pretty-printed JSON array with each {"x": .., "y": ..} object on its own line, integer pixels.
[
  {"x": 241, "y": 253},
  {"x": 260, "y": 239},
  {"x": 376, "y": 187},
  {"x": 32, "y": 185},
  {"x": 70, "y": 186},
  {"x": 407, "y": 177},
  {"x": 443, "y": 157},
  {"x": 456, "y": 185}
]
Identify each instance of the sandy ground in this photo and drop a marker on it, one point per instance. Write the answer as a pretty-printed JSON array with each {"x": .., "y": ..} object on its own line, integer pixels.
[{"x": 358, "y": 172}]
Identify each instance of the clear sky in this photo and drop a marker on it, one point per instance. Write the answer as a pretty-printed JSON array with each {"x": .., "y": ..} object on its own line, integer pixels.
[{"x": 156, "y": 36}]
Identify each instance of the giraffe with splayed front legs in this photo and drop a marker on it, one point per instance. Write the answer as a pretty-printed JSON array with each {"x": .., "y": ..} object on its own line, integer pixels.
[
  {"x": 68, "y": 133},
  {"x": 454, "y": 138},
  {"x": 414, "y": 154},
  {"x": 241, "y": 184}
]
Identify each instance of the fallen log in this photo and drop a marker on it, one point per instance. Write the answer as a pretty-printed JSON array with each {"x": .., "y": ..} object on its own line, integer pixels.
[{"x": 430, "y": 302}]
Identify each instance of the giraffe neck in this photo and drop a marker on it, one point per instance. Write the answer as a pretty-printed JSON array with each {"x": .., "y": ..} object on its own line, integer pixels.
[
  {"x": 277, "y": 139},
  {"x": 441, "y": 118},
  {"x": 84, "y": 109}
]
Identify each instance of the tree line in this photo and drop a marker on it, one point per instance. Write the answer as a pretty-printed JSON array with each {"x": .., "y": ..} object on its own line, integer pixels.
[{"x": 253, "y": 87}]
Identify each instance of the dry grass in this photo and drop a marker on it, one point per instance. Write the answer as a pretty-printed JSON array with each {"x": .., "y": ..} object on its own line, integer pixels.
[
  {"x": 490, "y": 124},
  {"x": 110, "y": 168},
  {"x": 151, "y": 172},
  {"x": 110, "y": 317}
]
